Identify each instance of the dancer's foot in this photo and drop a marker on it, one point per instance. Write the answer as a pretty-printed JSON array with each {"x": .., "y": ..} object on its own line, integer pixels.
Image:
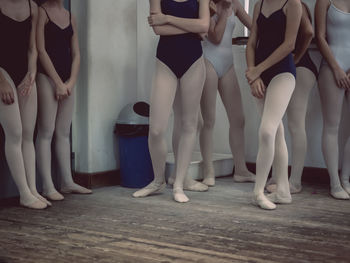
[
  {"x": 244, "y": 177},
  {"x": 261, "y": 201},
  {"x": 30, "y": 201},
  {"x": 295, "y": 188},
  {"x": 190, "y": 185},
  {"x": 278, "y": 198},
  {"x": 74, "y": 188},
  {"x": 152, "y": 188},
  {"x": 339, "y": 193},
  {"x": 53, "y": 196},
  {"x": 208, "y": 175},
  {"x": 209, "y": 181},
  {"x": 179, "y": 195},
  {"x": 41, "y": 198},
  {"x": 346, "y": 185}
]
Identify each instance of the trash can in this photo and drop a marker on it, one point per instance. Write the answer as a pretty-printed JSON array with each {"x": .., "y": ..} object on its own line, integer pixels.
[{"x": 132, "y": 130}]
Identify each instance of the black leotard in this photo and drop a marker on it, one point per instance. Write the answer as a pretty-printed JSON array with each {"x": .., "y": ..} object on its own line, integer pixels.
[
  {"x": 58, "y": 43},
  {"x": 179, "y": 52},
  {"x": 14, "y": 45},
  {"x": 271, "y": 33}
]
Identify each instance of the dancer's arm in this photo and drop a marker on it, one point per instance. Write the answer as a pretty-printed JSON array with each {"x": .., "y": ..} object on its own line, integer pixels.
[
  {"x": 242, "y": 14},
  {"x": 198, "y": 25},
  {"x": 257, "y": 86},
  {"x": 75, "y": 57},
  {"x": 163, "y": 30},
  {"x": 6, "y": 92},
  {"x": 293, "y": 14},
  {"x": 306, "y": 34},
  {"x": 321, "y": 10},
  {"x": 217, "y": 27},
  {"x": 61, "y": 88},
  {"x": 28, "y": 81}
]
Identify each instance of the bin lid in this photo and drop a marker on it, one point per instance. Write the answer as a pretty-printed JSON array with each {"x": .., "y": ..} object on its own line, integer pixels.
[{"x": 134, "y": 113}]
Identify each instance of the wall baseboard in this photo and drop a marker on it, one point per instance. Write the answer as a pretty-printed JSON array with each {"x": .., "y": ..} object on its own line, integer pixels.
[{"x": 95, "y": 180}]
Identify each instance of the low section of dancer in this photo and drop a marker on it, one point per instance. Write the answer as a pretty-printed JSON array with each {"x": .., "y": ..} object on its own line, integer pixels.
[
  {"x": 221, "y": 75},
  {"x": 58, "y": 70},
  {"x": 179, "y": 66}
]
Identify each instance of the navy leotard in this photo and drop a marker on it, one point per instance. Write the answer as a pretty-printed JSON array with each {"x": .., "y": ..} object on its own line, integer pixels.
[
  {"x": 14, "y": 45},
  {"x": 58, "y": 47},
  {"x": 179, "y": 52},
  {"x": 306, "y": 60},
  {"x": 271, "y": 33}
]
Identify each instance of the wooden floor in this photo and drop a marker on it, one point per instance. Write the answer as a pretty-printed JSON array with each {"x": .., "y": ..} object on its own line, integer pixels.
[{"x": 218, "y": 226}]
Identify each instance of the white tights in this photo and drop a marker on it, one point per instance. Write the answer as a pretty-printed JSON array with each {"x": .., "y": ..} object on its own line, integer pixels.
[
  {"x": 332, "y": 99},
  {"x": 272, "y": 145}
]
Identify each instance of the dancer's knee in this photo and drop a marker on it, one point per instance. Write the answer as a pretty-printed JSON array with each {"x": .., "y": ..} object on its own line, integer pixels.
[{"x": 267, "y": 134}]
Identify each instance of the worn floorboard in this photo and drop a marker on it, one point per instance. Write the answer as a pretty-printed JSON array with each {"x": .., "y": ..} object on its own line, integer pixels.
[{"x": 218, "y": 226}]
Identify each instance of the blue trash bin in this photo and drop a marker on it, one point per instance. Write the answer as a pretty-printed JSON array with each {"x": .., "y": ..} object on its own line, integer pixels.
[{"x": 132, "y": 130}]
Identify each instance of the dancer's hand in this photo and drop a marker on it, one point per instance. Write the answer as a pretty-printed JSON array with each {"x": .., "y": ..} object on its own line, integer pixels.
[
  {"x": 61, "y": 91},
  {"x": 27, "y": 84},
  {"x": 258, "y": 88},
  {"x": 252, "y": 74},
  {"x": 70, "y": 87},
  {"x": 341, "y": 78},
  {"x": 6, "y": 93},
  {"x": 203, "y": 36},
  {"x": 158, "y": 19},
  {"x": 212, "y": 7}
]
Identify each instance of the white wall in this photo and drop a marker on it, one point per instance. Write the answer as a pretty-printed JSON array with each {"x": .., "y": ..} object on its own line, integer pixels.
[{"x": 108, "y": 79}]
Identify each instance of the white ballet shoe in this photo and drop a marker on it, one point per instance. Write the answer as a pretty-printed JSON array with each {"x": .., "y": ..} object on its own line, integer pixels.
[
  {"x": 346, "y": 185},
  {"x": 179, "y": 196},
  {"x": 33, "y": 204},
  {"x": 152, "y": 188},
  {"x": 339, "y": 193},
  {"x": 75, "y": 189},
  {"x": 42, "y": 199},
  {"x": 53, "y": 196},
  {"x": 261, "y": 201},
  {"x": 277, "y": 198},
  {"x": 295, "y": 189},
  {"x": 244, "y": 177},
  {"x": 210, "y": 181},
  {"x": 191, "y": 185}
]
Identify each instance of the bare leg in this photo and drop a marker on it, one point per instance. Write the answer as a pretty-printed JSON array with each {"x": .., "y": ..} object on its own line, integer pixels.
[
  {"x": 296, "y": 113},
  {"x": 191, "y": 85},
  {"x": 231, "y": 97},
  {"x": 208, "y": 109},
  {"x": 47, "y": 111},
  {"x": 276, "y": 101},
  {"x": 345, "y": 171},
  {"x": 28, "y": 110},
  {"x": 332, "y": 100},
  {"x": 189, "y": 184},
  {"x": 11, "y": 122},
  {"x": 162, "y": 98}
]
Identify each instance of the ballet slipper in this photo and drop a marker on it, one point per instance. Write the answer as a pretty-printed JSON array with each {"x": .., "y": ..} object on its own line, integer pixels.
[
  {"x": 42, "y": 199},
  {"x": 190, "y": 185},
  {"x": 278, "y": 198},
  {"x": 261, "y": 201},
  {"x": 152, "y": 188},
  {"x": 210, "y": 181},
  {"x": 244, "y": 177},
  {"x": 75, "y": 189},
  {"x": 179, "y": 195},
  {"x": 295, "y": 189},
  {"x": 346, "y": 185},
  {"x": 339, "y": 193},
  {"x": 54, "y": 196},
  {"x": 33, "y": 204},
  {"x": 271, "y": 188}
]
